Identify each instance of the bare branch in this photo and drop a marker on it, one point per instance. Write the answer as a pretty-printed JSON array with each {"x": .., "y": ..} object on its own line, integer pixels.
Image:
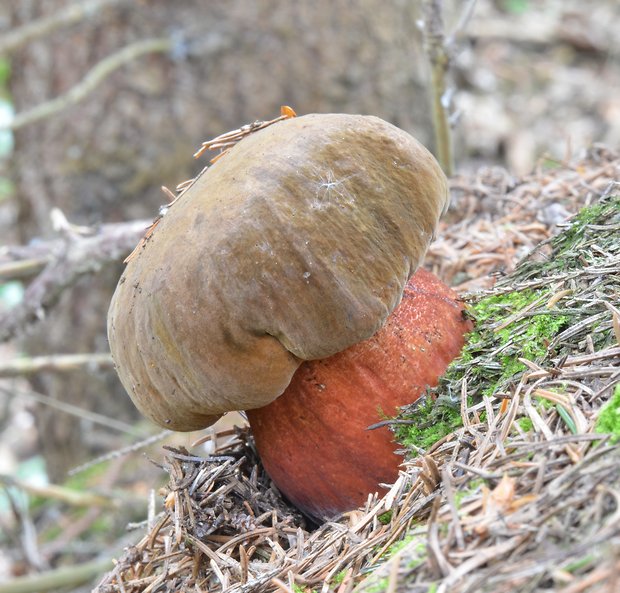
[
  {"x": 90, "y": 82},
  {"x": 74, "y": 13},
  {"x": 67, "y": 408},
  {"x": 117, "y": 453},
  {"x": 57, "y": 363},
  {"x": 434, "y": 43},
  {"x": 59, "y": 578},
  {"x": 466, "y": 15},
  {"x": 71, "y": 259},
  {"x": 69, "y": 496},
  {"x": 22, "y": 268}
]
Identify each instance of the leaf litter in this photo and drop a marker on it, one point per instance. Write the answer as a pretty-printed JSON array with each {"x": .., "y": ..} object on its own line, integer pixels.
[{"x": 521, "y": 494}]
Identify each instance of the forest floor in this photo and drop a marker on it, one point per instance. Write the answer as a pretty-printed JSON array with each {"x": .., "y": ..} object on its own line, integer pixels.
[
  {"x": 537, "y": 92},
  {"x": 521, "y": 491}
]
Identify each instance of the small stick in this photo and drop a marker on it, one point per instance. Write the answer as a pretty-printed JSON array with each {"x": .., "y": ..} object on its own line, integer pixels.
[{"x": 434, "y": 44}]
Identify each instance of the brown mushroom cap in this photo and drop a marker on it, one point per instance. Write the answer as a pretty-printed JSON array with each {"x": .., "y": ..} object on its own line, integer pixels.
[{"x": 293, "y": 246}]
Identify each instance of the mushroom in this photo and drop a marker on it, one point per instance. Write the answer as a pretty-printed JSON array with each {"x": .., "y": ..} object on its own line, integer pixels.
[
  {"x": 294, "y": 246},
  {"x": 322, "y": 441}
]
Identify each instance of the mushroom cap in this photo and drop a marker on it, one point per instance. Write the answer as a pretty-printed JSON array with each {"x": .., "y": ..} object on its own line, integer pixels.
[{"x": 293, "y": 246}]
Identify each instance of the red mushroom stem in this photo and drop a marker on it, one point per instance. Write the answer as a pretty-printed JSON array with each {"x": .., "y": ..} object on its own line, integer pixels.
[{"x": 314, "y": 439}]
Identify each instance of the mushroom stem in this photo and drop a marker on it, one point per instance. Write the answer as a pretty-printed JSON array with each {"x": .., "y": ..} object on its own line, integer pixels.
[{"x": 314, "y": 439}]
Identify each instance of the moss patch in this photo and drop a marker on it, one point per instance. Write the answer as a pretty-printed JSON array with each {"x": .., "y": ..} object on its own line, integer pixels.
[
  {"x": 609, "y": 418},
  {"x": 527, "y": 336},
  {"x": 414, "y": 548},
  {"x": 526, "y": 424},
  {"x": 472, "y": 487},
  {"x": 505, "y": 332},
  {"x": 526, "y": 317},
  {"x": 385, "y": 518},
  {"x": 431, "y": 421}
]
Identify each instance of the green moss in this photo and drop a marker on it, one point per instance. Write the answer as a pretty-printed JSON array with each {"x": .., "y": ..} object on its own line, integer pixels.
[
  {"x": 339, "y": 577},
  {"x": 528, "y": 336},
  {"x": 515, "y": 323},
  {"x": 378, "y": 587},
  {"x": 544, "y": 403},
  {"x": 416, "y": 554},
  {"x": 500, "y": 306},
  {"x": 301, "y": 589},
  {"x": 396, "y": 547},
  {"x": 579, "y": 222},
  {"x": 472, "y": 487},
  {"x": 430, "y": 422},
  {"x": 609, "y": 417},
  {"x": 526, "y": 424},
  {"x": 571, "y": 248},
  {"x": 385, "y": 518}
]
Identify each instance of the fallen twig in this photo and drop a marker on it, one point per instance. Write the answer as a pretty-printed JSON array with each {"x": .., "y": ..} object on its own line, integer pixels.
[
  {"x": 69, "y": 259},
  {"x": 90, "y": 82},
  {"x": 67, "y": 576},
  {"x": 56, "y": 363}
]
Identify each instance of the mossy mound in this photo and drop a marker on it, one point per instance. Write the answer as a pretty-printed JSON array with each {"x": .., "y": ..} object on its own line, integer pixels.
[{"x": 557, "y": 303}]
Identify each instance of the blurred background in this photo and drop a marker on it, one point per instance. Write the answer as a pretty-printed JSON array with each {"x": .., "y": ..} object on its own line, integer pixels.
[{"x": 104, "y": 101}]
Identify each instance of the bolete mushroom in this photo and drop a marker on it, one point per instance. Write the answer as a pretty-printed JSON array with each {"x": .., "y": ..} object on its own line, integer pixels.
[
  {"x": 316, "y": 440},
  {"x": 293, "y": 246}
]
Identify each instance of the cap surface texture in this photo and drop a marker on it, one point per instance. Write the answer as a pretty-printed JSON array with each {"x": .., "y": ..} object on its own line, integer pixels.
[{"x": 293, "y": 246}]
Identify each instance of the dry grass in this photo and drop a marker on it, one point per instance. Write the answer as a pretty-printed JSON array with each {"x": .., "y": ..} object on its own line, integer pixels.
[{"x": 524, "y": 497}]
